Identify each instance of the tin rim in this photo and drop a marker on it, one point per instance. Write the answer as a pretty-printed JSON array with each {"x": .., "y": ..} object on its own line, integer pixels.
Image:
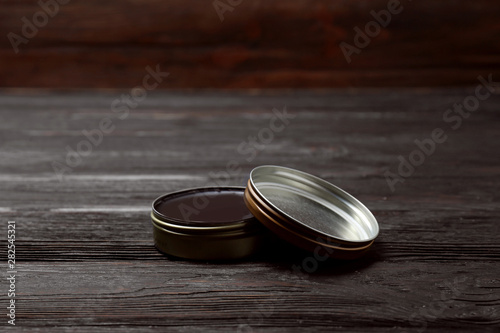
[{"x": 244, "y": 227}]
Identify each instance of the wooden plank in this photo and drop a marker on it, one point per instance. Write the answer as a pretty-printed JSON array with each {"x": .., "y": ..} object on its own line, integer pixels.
[
  {"x": 261, "y": 295},
  {"x": 85, "y": 255},
  {"x": 260, "y": 44}
]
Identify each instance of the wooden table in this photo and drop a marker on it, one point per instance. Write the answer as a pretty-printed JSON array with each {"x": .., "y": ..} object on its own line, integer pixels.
[{"x": 85, "y": 258}]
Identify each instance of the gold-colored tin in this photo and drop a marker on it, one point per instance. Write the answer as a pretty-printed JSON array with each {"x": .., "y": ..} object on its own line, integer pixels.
[{"x": 206, "y": 224}]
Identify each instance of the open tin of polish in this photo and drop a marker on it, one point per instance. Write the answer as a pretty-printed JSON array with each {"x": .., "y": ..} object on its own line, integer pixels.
[
  {"x": 210, "y": 223},
  {"x": 221, "y": 223}
]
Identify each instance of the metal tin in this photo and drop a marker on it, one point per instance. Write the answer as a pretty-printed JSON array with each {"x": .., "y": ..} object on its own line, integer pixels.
[
  {"x": 309, "y": 212},
  {"x": 206, "y": 224}
]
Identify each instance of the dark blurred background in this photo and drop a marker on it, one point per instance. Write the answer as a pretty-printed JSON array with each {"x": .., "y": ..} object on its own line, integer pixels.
[{"x": 246, "y": 43}]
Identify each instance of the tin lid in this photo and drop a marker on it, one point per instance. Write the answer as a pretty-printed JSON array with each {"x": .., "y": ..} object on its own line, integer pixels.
[{"x": 310, "y": 212}]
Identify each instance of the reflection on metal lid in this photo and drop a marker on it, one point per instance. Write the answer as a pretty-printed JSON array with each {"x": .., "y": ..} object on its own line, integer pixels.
[{"x": 310, "y": 212}]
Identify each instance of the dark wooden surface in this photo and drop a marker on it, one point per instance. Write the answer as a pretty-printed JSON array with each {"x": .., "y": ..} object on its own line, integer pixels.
[
  {"x": 86, "y": 260},
  {"x": 259, "y": 44}
]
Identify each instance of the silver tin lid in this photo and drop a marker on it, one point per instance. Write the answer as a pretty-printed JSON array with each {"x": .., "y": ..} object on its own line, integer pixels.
[{"x": 309, "y": 212}]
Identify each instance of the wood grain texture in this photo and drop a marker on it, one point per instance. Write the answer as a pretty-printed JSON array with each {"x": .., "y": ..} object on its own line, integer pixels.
[
  {"x": 86, "y": 261},
  {"x": 260, "y": 44}
]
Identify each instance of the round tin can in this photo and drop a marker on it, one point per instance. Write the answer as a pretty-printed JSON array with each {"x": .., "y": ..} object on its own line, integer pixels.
[
  {"x": 210, "y": 223},
  {"x": 309, "y": 212}
]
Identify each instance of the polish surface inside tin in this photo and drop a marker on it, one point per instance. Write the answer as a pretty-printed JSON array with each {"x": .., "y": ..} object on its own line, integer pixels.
[{"x": 215, "y": 206}]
